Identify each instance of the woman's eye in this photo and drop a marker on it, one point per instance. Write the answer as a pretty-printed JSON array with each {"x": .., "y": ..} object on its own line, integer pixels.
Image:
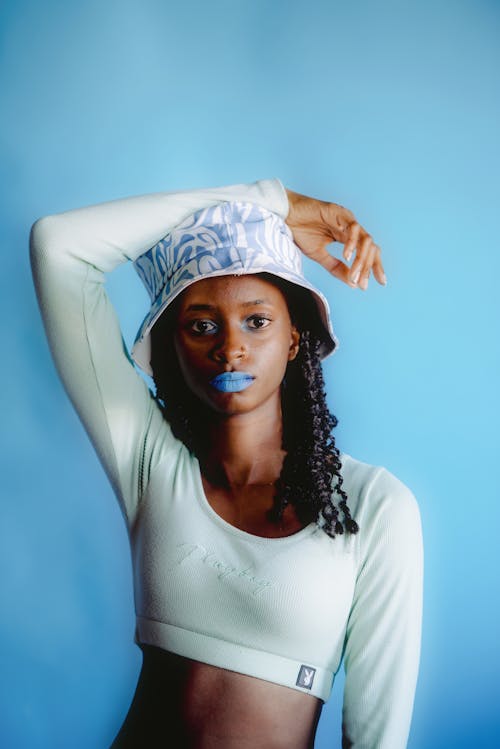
[
  {"x": 257, "y": 322},
  {"x": 203, "y": 327}
]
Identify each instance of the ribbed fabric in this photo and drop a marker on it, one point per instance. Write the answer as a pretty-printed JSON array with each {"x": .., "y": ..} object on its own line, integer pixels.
[{"x": 287, "y": 610}]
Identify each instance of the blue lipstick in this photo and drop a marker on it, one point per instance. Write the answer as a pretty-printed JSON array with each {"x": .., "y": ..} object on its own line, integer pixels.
[{"x": 232, "y": 382}]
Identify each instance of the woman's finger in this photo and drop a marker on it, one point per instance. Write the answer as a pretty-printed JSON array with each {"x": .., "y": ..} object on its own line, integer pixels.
[
  {"x": 362, "y": 253},
  {"x": 340, "y": 270},
  {"x": 367, "y": 267},
  {"x": 343, "y": 272},
  {"x": 353, "y": 232},
  {"x": 378, "y": 268},
  {"x": 372, "y": 264},
  {"x": 333, "y": 265},
  {"x": 330, "y": 263}
]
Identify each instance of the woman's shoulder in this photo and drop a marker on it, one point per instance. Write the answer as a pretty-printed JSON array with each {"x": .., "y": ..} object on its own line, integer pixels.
[{"x": 377, "y": 498}]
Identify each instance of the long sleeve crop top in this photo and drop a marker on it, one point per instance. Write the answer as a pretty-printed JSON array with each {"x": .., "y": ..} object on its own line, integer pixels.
[{"x": 289, "y": 610}]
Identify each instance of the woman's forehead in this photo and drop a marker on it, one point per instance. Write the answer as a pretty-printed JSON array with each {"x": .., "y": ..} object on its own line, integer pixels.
[{"x": 235, "y": 289}]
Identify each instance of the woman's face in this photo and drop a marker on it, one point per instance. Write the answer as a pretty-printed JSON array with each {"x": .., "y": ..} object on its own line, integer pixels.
[{"x": 234, "y": 339}]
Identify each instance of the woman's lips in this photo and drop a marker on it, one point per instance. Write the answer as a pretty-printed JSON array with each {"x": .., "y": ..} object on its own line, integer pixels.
[{"x": 232, "y": 382}]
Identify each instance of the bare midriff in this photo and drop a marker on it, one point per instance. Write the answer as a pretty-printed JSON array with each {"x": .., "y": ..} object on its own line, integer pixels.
[{"x": 184, "y": 704}]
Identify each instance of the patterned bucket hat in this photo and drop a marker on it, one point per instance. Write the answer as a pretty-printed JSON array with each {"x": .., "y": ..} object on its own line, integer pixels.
[{"x": 231, "y": 238}]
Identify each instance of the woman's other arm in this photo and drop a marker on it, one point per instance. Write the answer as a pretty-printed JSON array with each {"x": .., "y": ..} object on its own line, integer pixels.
[
  {"x": 382, "y": 647},
  {"x": 70, "y": 253}
]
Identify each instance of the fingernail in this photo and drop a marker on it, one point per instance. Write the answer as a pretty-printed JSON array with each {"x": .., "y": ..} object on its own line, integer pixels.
[
  {"x": 348, "y": 256},
  {"x": 384, "y": 279},
  {"x": 355, "y": 278},
  {"x": 363, "y": 284}
]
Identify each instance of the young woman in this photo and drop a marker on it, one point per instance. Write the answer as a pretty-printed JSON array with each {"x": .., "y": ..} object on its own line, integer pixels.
[{"x": 263, "y": 558}]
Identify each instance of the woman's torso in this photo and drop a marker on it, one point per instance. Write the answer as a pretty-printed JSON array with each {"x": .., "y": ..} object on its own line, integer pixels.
[
  {"x": 180, "y": 702},
  {"x": 239, "y": 593}
]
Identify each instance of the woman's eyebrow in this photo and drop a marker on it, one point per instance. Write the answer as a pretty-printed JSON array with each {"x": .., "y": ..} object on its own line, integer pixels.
[
  {"x": 256, "y": 301},
  {"x": 200, "y": 307},
  {"x": 209, "y": 307}
]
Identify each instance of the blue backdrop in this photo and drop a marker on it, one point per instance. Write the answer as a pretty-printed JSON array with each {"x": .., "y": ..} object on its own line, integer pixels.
[{"x": 391, "y": 108}]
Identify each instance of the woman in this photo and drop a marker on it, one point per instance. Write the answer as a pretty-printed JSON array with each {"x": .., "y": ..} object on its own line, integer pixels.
[{"x": 263, "y": 558}]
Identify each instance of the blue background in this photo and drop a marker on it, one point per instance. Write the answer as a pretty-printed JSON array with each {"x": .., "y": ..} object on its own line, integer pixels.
[{"x": 390, "y": 108}]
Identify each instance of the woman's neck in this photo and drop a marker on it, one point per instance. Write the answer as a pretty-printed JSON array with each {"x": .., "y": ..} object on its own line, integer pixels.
[{"x": 245, "y": 449}]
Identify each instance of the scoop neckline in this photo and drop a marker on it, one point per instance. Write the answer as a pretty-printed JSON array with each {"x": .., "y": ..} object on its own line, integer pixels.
[{"x": 202, "y": 499}]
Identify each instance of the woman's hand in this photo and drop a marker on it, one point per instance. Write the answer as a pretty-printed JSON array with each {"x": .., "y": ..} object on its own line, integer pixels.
[{"x": 316, "y": 223}]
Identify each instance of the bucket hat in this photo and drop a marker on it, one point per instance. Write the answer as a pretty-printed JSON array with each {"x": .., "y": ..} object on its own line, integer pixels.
[{"x": 230, "y": 238}]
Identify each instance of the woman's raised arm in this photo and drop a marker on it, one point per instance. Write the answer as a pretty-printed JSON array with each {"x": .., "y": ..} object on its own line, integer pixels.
[{"x": 70, "y": 253}]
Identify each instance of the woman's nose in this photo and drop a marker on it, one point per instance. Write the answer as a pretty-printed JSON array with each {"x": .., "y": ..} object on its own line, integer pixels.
[{"x": 231, "y": 346}]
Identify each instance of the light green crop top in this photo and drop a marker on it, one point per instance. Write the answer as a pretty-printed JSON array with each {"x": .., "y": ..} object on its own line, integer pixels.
[{"x": 288, "y": 610}]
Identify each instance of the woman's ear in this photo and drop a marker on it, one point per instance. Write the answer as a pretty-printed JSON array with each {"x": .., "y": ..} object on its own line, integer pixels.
[{"x": 294, "y": 344}]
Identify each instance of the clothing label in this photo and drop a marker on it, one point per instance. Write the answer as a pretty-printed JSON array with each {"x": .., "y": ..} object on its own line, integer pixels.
[{"x": 306, "y": 677}]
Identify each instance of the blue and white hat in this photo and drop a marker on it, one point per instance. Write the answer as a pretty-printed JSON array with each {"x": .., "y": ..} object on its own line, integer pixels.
[{"x": 232, "y": 238}]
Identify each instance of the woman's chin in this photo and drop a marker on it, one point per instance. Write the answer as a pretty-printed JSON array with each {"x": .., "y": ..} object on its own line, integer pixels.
[
  {"x": 231, "y": 403},
  {"x": 244, "y": 402}
]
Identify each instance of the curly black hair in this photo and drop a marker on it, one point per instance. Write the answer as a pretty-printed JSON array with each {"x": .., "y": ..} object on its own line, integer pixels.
[{"x": 311, "y": 472}]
